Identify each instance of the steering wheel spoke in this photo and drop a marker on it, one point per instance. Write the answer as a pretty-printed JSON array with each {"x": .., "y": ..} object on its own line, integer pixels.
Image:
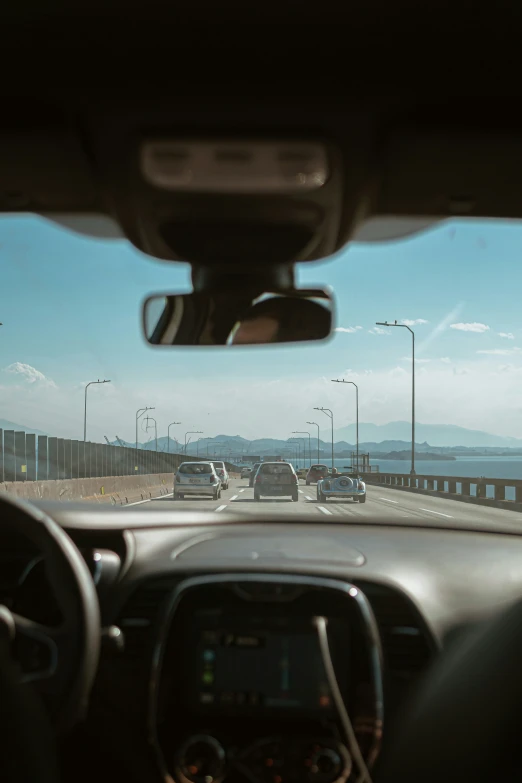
[{"x": 37, "y": 648}]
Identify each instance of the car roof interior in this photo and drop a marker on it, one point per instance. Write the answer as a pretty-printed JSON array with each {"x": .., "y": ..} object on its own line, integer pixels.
[{"x": 71, "y": 137}]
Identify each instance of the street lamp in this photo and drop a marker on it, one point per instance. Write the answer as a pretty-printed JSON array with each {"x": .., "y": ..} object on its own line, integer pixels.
[
  {"x": 168, "y": 433},
  {"x": 85, "y": 410},
  {"x": 191, "y": 432},
  {"x": 403, "y": 326},
  {"x": 150, "y": 418},
  {"x": 139, "y": 414},
  {"x": 329, "y": 413},
  {"x": 356, "y": 414},
  {"x": 316, "y": 424},
  {"x": 298, "y": 447},
  {"x": 197, "y": 446},
  {"x": 304, "y": 432}
]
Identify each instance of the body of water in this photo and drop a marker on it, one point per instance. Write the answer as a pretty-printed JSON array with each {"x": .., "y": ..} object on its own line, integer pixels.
[{"x": 474, "y": 467}]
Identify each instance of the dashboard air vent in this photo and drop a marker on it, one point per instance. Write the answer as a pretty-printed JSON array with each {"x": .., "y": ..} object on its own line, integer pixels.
[
  {"x": 407, "y": 645},
  {"x": 139, "y": 615}
]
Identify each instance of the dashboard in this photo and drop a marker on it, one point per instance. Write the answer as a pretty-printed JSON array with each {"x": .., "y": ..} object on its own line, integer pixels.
[{"x": 212, "y": 669}]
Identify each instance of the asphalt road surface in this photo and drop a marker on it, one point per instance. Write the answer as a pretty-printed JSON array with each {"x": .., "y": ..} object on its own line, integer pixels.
[{"x": 388, "y": 504}]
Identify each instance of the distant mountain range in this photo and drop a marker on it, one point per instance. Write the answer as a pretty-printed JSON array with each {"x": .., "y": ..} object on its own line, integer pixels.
[
  {"x": 434, "y": 434},
  {"x": 457, "y": 439},
  {"x": 375, "y": 438}
]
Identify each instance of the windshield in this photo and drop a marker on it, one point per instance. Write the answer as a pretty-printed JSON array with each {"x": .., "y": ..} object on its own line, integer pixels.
[
  {"x": 195, "y": 469},
  {"x": 426, "y": 350},
  {"x": 275, "y": 470}
]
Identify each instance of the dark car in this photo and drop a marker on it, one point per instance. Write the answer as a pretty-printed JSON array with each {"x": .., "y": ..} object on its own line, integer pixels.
[
  {"x": 253, "y": 474},
  {"x": 315, "y": 473},
  {"x": 276, "y": 479}
]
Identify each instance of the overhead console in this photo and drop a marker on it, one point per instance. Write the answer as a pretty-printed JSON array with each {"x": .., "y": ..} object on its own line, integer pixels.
[{"x": 241, "y": 689}]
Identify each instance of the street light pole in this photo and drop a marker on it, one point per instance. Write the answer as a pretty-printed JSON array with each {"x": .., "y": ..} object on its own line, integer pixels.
[
  {"x": 356, "y": 416},
  {"x": 168, "y": 433},
  {"x": 318, "y": 449},
  {"x": 298, "y": 447},
  {"x": 329, "y": 413},
  {"x": 191, "y": 432},
  {"x": 85, "y": 408},
  {"x": 404, "y": 326},
  {"x": 304, "y": 432},
  {"x": 151, "y": 418},
  {"x": 139, "y": 414}
]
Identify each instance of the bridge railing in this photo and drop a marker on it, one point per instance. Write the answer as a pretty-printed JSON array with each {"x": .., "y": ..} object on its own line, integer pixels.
[{"x": 481, "y": 488}]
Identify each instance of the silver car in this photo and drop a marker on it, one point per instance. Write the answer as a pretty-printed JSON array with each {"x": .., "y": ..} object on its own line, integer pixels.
[
  {"x": 341, "y": 485},
  {"x": 196, "y": 478},
  {"x": 222, "y": 472}
]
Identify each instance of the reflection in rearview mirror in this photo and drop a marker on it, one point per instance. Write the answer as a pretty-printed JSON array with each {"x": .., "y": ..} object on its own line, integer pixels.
[{"x": 228, "y": 319}]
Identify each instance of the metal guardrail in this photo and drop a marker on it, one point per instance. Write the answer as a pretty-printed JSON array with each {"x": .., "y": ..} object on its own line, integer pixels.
[
  {"x": 480, "y": 488},
  {"x": 27, "y": 457}
]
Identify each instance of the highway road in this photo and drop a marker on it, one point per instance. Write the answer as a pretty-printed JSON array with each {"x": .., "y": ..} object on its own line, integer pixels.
[{"x": 383, "y": 503}]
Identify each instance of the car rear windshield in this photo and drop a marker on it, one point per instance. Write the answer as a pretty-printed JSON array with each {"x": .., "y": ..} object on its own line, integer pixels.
[
  {"x": 318, "y": 467},
  {"x": 219, "y": 464},
  {"x": 195, "y": 469},
  {"x": 275, "y": 470}
]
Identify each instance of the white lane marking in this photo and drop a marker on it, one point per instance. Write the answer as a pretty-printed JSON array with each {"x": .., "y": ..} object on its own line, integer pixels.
[
  {"x": 306, "y": 496},
  {"x": 241, "y": 490},
  {"x": 324, "y": 510},
  {"x": 388, "y": 500},
  {"x": 220, "y": 508},
  {"x": 301, "y": 491},
  {"x": 235, "y": 497},
  {"x": 436, "y": 512},
  {"x": 138, "y": 502}
]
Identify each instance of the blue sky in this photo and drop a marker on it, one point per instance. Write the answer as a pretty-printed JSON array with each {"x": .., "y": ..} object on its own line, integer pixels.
[{"x": 70, "y": 306}]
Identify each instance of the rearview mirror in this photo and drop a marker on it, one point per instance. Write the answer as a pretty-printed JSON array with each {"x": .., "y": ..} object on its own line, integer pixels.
[{"x": 233, "y": 318}]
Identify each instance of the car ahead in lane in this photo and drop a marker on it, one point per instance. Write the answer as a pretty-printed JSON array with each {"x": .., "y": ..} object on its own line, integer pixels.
[
  {"x": 315, "y": 473},
  {"x": 196, "y": 478},
  {"x": 222, "y": 472},
  {"x": 253, "y": 473},
  {"x": 245, "y": 472},
  {"x": 301, "y": 472},
  {"x": 276, "y": 479},
  {"x": 342, "y": 485}
]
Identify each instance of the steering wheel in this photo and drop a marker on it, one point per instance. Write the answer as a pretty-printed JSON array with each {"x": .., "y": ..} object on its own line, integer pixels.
[
  {"x": 51, "y": 694},
  {"x": 465, "y": 722}
]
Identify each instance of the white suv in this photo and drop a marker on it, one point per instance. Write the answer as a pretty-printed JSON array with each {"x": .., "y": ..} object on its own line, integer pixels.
[
  {"x": 196, "y": 478},
  {"x": 222, "y": 473}
]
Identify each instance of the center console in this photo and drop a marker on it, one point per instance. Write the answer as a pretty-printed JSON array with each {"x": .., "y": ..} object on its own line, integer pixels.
[{"x": 239, "y": 688}]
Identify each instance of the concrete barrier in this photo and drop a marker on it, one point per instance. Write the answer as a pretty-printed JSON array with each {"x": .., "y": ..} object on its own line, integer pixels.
[{"x": 117, "y": 490}]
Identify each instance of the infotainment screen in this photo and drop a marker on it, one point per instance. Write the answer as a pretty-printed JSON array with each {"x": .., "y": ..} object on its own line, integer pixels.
[{"x": 260, "y": 668}]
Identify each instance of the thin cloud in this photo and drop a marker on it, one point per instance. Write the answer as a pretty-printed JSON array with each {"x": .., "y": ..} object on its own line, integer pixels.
[
  {"x": 348, "y": 329},
  {"x": 501, "y": 351},
  {"x": 378, "y": 330},
  {"x": 415, "y": 322},
  {"x": 445, "y": 360},
  {"x": 507, "y": 335},
  {"x": 420, "y": 361},
  {"x": 441, "y": 327},
  {"x": 29, "y": 374},
  {"x": 475, "y": 327}
]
